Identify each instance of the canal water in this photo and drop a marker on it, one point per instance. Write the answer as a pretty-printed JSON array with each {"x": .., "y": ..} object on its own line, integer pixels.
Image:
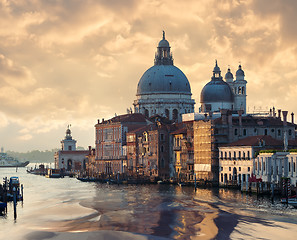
[{"x": 69, "y": 209}]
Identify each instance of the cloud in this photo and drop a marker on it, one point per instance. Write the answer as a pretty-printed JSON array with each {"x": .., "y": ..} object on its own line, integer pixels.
[{"x": 77, "y": 61}]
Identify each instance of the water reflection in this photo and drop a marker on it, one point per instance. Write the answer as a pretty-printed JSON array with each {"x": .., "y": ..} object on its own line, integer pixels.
[{"x": 67, "y": 205}]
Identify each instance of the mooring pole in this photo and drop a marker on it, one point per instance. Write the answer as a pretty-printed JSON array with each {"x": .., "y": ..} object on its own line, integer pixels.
[
  {"x": 14, "y": 202},
  {"x": 195, "y": 182},
  {"x": 22, "y": 191}
]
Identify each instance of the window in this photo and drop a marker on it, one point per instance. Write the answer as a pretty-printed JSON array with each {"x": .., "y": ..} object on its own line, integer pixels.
[
  {"x": 244, "y": 132},
  {"x": 278, "y": 132},
  {"x": 234, "y": 155},
  {"x": 174, "y": 114},
  {"x": 162, "y": 137},
  {"x": 289, "y": 167},
  {"x": 235, "y": 132},
  {"x": 207, "y": 107},
  {"x": 162, "y": 148},
  {"x": 239, "y": 168},
  {"x": 265, "y": 132},
  {"x": 239, "y": 155},
  {"x": 221, "y": 168},
  {"x": 229, "y": 168},
  {"x": 290, "y": 132},
  {"x": 69, "y": 148},
  {"x": 167, "y": 113},
  {"x": 230, "y": 155},
  {"x": 249, "y": 169},
  {"x": 294, "y": 167}
]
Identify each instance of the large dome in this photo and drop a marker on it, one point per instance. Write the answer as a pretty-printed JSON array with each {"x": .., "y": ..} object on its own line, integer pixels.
[{"x": 163, "y": 79}]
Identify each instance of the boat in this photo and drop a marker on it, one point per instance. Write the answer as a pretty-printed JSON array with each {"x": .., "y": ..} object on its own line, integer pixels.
[
  {"x": 290, "y": 201},
  {"x": 8, "y": 161},
  {"x": 3, "y": 206},
  {"x": 53, "y": 173}
]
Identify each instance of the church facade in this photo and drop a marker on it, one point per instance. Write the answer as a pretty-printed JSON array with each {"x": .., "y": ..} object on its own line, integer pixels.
[{"x": 229, "y": 94}]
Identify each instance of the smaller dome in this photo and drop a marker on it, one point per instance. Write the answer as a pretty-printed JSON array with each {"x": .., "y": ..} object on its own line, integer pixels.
[
  {"x": 229, "y": 75},
  {"x": 216, "y": 91},
  {"x": 163, "y": 43},
  {"x": 216, "y": 69},
  {"x": 239, "y": 72}
]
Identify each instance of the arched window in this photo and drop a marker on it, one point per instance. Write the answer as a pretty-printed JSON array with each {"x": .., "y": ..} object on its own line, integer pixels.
[
  {"x": 242, "y": 90},
  {"x": 239, "y": 90},
  {"x": 174, "y": 114},
  {"x": 225, "y": 155},
  {"x": 230, "y": 155},
  {"x": 167, "y": 113},
  {"x": 146, "y": 113},
  {"x": 234, "y": 154}
]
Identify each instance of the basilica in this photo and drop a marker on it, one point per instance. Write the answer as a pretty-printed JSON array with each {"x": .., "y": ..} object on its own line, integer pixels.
[{"x": 164, "y": 89}]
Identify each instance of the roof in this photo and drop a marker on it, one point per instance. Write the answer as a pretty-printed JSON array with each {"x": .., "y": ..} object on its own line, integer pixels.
[
  {"x": 126, "y": 118},
  {"x": 163, "y": 79},
  {"x": 250, "y": 121},
  {"x": 259, "y": 140}
]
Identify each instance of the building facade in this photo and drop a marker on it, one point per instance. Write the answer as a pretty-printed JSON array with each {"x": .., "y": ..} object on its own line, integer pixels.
[
  {"x": 111, "y": 147},
  {"x": 68, "y": 158}
]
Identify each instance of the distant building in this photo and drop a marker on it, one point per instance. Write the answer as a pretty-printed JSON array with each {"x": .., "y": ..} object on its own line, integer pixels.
[
  {"x": 68, "y": 158},
  {"x": 111, "y": 142},
  {"x": 237, "y": 158},
  {"x": 214, "y": 130},
  {"x": 148, "y": 150},
  {"x": 183, "y": 148},
  {"x": 272, "y": 167},
  {"x": 164, "y": 89}
]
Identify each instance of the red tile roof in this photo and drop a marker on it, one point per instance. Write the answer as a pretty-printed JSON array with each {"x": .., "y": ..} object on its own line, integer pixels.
[{"x": 255, "y": 140}]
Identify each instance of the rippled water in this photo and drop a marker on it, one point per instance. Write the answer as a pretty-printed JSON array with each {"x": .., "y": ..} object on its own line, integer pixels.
[{"x": 70, "y": 209}]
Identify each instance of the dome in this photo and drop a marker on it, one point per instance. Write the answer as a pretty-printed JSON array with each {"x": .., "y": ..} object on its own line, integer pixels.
[
  {"x": 239, "y": 72},
  {"x": 229, "y": 75},
  {"x": 163, "y": 79},
  {"x": 216, "y": 91},
  {"x": 164, "y": 43}
]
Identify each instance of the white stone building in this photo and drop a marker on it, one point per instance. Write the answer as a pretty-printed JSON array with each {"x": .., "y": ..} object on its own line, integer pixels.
[
  {"x": 68, "y": 158},
  {"x": 272, "y": 167},
  {"x": 164, "y": 89},
  {"x": 236, "y": 160}
]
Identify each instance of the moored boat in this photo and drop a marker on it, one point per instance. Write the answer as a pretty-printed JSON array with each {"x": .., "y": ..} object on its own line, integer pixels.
[{"x": 8, "y": 161}]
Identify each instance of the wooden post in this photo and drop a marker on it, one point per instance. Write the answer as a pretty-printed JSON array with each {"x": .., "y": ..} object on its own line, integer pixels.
[
  {"x": 272, "y": 192},
  {"x": 14, "y": 202},
  {"x": 195, "y": 182},
  {"x": 22, "y": 191}
]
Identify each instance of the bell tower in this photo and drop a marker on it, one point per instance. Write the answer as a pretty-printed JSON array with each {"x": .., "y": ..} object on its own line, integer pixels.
[
  {"x": 240, "y": 90},
  {"x": 68, "y": 144}
]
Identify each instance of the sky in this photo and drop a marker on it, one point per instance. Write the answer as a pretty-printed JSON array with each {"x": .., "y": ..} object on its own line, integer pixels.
[{"x": 76, "y": 61}]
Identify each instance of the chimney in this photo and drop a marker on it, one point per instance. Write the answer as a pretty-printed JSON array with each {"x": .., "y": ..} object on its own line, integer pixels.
[
  {"x": 90, "y": 149},
  {"x": 285, "y": 113},
  {"x": 292, "y": 115},
  {"x": 273, "y": 112},
  {"x": 230, "y": 119},
  {"x": 279, "y": 113},
  {"x": 102, "y": 120},
  {"x": 240, "y": 117},
  {"x": 224, "y": 116},
  {"x": 98, "y": 121}
]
